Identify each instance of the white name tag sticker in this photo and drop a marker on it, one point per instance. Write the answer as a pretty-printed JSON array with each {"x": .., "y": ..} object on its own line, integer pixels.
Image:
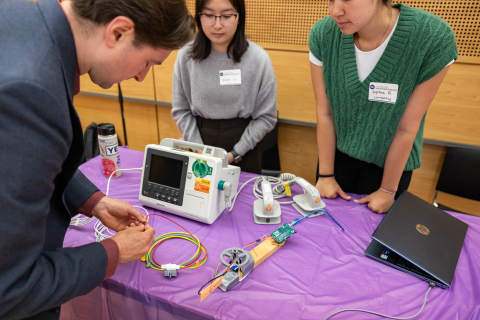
[
  {"x": 383, "y": 92},
  {"x": 230, "y": 77}
]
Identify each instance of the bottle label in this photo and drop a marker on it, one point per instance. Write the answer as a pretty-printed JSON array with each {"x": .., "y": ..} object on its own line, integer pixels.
[
  {"x": 108, "y": 167},
  {"x": 111, "y": 150}
]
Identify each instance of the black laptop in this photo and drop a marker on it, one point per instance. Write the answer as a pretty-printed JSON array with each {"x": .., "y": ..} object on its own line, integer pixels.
[{"x": 420, "y": 239}]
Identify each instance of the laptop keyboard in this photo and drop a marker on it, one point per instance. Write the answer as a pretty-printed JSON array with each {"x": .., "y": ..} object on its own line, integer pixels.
[{"x": 397, "y": 260}]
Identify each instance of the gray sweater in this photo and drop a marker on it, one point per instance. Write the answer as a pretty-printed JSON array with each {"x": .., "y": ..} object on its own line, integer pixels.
[{"x": 197, "y": 92}]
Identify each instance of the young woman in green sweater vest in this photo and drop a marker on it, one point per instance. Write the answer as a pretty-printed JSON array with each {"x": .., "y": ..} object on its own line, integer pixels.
[{"x": 375, "y": 70}]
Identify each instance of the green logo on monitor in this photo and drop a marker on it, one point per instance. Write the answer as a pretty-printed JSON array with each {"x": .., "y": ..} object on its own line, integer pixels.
[{"x": 201, "y": 169}]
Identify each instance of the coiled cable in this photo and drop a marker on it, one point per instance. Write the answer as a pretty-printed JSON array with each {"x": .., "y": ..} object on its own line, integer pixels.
[
  {"x": 81, "y": 220},
  {"x": 278, "y": 191}
]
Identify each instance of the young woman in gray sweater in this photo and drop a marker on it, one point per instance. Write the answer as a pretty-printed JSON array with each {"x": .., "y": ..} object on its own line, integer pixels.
[{"x": 224, "y": 86}]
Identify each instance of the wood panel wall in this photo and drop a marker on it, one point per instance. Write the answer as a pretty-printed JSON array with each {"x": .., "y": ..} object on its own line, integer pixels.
[
  {"x": 163, "y": 78},
  {"x": 455, "y": 112},
  {"x": 95, "y": 109},
  {"x": 166, "y": 125},
  {"x": 141, "y": 124},
  {"x": 130, "y": 88}
]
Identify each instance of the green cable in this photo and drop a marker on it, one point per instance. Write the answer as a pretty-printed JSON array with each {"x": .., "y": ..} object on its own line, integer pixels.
[{"x": 149, "y": 257}]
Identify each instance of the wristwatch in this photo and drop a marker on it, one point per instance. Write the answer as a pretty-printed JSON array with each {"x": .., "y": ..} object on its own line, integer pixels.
[{"x": 236, "y": 157}]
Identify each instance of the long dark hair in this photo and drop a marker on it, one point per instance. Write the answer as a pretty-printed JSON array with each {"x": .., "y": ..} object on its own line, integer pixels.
[{"x": 238, "y": 46}]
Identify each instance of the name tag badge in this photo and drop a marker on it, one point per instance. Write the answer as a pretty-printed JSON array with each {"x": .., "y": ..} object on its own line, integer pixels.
[
  {"x": 383, "y": 92},
  {"x": 230, "y": 77}
]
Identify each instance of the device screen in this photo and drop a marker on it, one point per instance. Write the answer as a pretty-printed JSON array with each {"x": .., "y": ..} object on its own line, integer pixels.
[{"x": 165, "y": 171}]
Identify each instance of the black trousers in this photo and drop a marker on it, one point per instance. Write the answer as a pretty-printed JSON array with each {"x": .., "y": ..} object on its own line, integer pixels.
[
  {"x": 357, "y": 176},
  {"x": 225, "y": 133}
]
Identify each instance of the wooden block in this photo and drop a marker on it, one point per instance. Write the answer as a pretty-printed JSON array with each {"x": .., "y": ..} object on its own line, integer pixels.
[
  {"x": 214, "y": 285},
  {"x": 264, "y": 250},
  {"x": 260, "y": 253}
]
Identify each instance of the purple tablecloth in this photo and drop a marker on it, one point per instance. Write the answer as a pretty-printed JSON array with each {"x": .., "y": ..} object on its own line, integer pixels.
[{"x": 318, "y": 271}]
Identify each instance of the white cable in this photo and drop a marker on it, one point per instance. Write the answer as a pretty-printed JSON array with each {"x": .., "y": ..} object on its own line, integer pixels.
[
  {"x": 80, "y": 220},
  {"x": 278, "y": 191},
  {"x": 108, "y": 183},
  {"x": 383, "y": 315},
  {"x": 142, "y": 209},
  {"x": 99, "y": 227},
  {"x": 236, "y": 194}
]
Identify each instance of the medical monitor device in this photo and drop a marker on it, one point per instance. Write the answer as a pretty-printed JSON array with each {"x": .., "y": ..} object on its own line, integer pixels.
[{"x": 194, "y": 185}]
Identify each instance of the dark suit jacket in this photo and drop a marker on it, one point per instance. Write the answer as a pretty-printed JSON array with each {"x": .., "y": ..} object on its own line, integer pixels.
[{"x": 40, "y": 150}]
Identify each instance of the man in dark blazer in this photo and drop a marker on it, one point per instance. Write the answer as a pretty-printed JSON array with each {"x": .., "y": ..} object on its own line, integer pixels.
[{"x": 44, "y": 47}]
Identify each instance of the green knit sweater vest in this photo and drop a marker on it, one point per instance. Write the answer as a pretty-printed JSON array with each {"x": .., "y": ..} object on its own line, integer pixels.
[{"x": 420, "y": 47}]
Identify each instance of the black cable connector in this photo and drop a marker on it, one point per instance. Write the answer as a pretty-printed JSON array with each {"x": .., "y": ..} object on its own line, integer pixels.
[
  {"x": 432, "y": 284},
  {"x": 220, "y": 275},
  {"x": 209, "y": 281}
]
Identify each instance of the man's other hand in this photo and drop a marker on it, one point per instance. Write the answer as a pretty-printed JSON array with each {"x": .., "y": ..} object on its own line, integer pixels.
[{"x": 116, "y": 214}]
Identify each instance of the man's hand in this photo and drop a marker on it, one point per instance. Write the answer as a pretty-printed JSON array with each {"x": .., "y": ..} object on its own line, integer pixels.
[
  {"x": 230, "y": 158},
  {"x": 329, "y": 188},
  {"x": 116, "y": 214},
  {"x": 379, "y": 201},
  {"x": 134, "y": 242}
]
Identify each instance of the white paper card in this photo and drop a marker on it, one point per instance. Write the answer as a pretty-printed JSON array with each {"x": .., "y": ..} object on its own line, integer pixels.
[
  {"x": 230, "y": 77},
  {"x": 383, "y": 92}
]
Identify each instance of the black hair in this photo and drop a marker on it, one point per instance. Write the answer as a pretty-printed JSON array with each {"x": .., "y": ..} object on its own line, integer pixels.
[{"x": 202, "y": 46}]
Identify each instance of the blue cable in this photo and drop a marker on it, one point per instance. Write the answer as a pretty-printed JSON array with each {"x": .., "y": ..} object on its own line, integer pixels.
[
  {"x": 328, "y": 214},
  {"x": 297, "y": 221}
]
